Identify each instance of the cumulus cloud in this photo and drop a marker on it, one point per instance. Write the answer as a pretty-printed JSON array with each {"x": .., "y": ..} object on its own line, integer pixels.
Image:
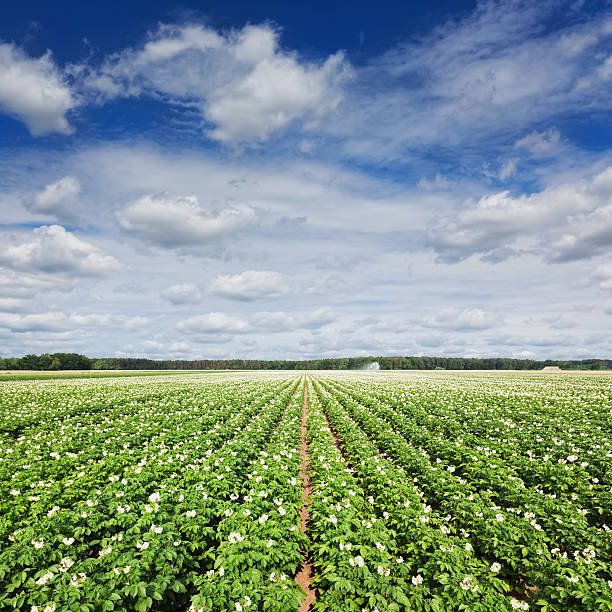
[
  {"x": 35, "y": 91},
  {"x": 243, "y": 82},
  {"x": 547, "y": 339},
  {"x": 433, "y": 340},
  {"x": 57, "y": 198},
  {"x": 51, "y": 249},
  {"x": 152, "y": 347},
  {"x": 182, "y": 221},
  {"x": 50, "y": 321},
  {"x": 55, "y": 321},
  {"x": 558, "y": 321},
  {"x": 126, "y": 322},
  {"x": 180, "y": 348},
  {"x": 27, "y": 285},
  {"x": 468, "y": 319},
  {"x": 565, "y": 222},
  {"x": 603, "y": 275},
  {"x": 328, "y": 284},
  {"x": 183, "y": 293},
  {"x": 486, "y": 227},
  {"x": 260, "y": 322},
  {"x": 251, "y": 285},
  {"x": 213, "y": 323},
  {"x": 10, "y": 304},
  {"x": 283, "y": 321},
  {"x": 588, "y": 234}
]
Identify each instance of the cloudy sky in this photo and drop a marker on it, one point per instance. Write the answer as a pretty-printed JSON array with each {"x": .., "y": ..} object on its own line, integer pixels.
[{"x": 296, "y": 180}]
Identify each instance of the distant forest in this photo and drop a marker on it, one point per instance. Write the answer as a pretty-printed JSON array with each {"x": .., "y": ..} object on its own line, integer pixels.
[{"x": 74, "y": 361}]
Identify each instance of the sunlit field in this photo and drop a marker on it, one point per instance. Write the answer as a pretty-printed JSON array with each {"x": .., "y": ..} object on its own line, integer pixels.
[{"x": 331, "y": 490}]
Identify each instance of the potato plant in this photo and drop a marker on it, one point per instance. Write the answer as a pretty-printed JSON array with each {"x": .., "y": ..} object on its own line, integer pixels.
[{"x": 430, "y": 492}]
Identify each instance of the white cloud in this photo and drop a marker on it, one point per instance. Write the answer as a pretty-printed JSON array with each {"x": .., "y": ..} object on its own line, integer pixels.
[
  {"x": 57, "y": 198},
  {"x": 468, "y": 319},
  {"x": 439, "y": 182},
  {"x": 55, "y": 321},
  {"x": 366, "y": 231},
  {"x": 136, "y": 323},
  {"x": 183, "y": 293},
  {"x": 182, "y": 221},
  {"x": 10, "y": 304},
  {"x": 180, "y": 347},
  {"x": 251, "y": 285},
  {"x": 316, "y": 319},
  {"x": 213, "y": 323},
  {"x": 243, "y": 82},
  {"x": 540, "y": 144},
  {"x": 548, "y": 338},
  {"x": 152, "y": 347},
  {"x": 260, "y": 322},
  {"x": 451, "y": 86},
  {"x": 51, "y": 321},
  {"x": 52, "y": 249},
  {"x": 587, "y": 235},
  {"x": 275, "y": 91},
  {"x": 564, "y": 222},
  {"x": 25, "y": 285},
  {"x": 35, "y": 91},
  {"x": 507, "y": 170},
  {"x": 603, "y": 274},
  {"x": 605, "y": 70},
  {"x": 559, "y": 321},
  {"x": 119, "y": 320},
  {"x": 296, "y": 193},
  {"x": 272, "y": 322},
  {"x": 328, "y": 284}
]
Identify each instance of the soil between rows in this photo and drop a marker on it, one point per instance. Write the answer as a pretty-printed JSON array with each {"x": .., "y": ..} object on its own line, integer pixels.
[{"x": 305, "y": 574}]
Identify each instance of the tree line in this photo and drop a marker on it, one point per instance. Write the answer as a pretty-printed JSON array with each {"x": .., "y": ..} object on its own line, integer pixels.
[
  {"x": 47, "y": 361},
  {"x": 74, "y": 361}
]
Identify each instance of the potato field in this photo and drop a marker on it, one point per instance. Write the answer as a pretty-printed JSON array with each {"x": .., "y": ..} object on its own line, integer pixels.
[{"x": 282, "y": 491}]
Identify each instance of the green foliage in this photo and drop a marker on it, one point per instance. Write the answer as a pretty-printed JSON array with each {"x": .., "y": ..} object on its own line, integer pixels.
[
  {"x": 113, "y": 500},
  {"x": 520, "y": 478},
  {"x": 430, "y": 493},
  {"x": 46, "y": 361}
]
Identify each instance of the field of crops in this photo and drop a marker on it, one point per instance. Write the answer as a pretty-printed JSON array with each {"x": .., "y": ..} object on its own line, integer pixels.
[{"x": 366, "y": 491}]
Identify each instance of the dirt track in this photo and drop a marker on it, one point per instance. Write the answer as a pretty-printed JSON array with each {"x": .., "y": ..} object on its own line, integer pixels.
[{"x": 304, "y": 575}]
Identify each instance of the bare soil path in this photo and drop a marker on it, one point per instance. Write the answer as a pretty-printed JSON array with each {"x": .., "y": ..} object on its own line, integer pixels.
[{"x": 304, "y": 575}]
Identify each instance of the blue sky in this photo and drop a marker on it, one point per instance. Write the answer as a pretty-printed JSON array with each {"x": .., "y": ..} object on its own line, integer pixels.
[{"x": 285, "y": 180}]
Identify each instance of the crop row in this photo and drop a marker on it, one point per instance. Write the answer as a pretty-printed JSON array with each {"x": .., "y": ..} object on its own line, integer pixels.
[
  {"x": 258, "y": 542},
  {"x": 529, "y": 540},
  {"x": 560, "y": 447},
  {"x": 126, "y": 530},
  {"x": 429, "y": 564},
  {"x": 430, "y": 492}
]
